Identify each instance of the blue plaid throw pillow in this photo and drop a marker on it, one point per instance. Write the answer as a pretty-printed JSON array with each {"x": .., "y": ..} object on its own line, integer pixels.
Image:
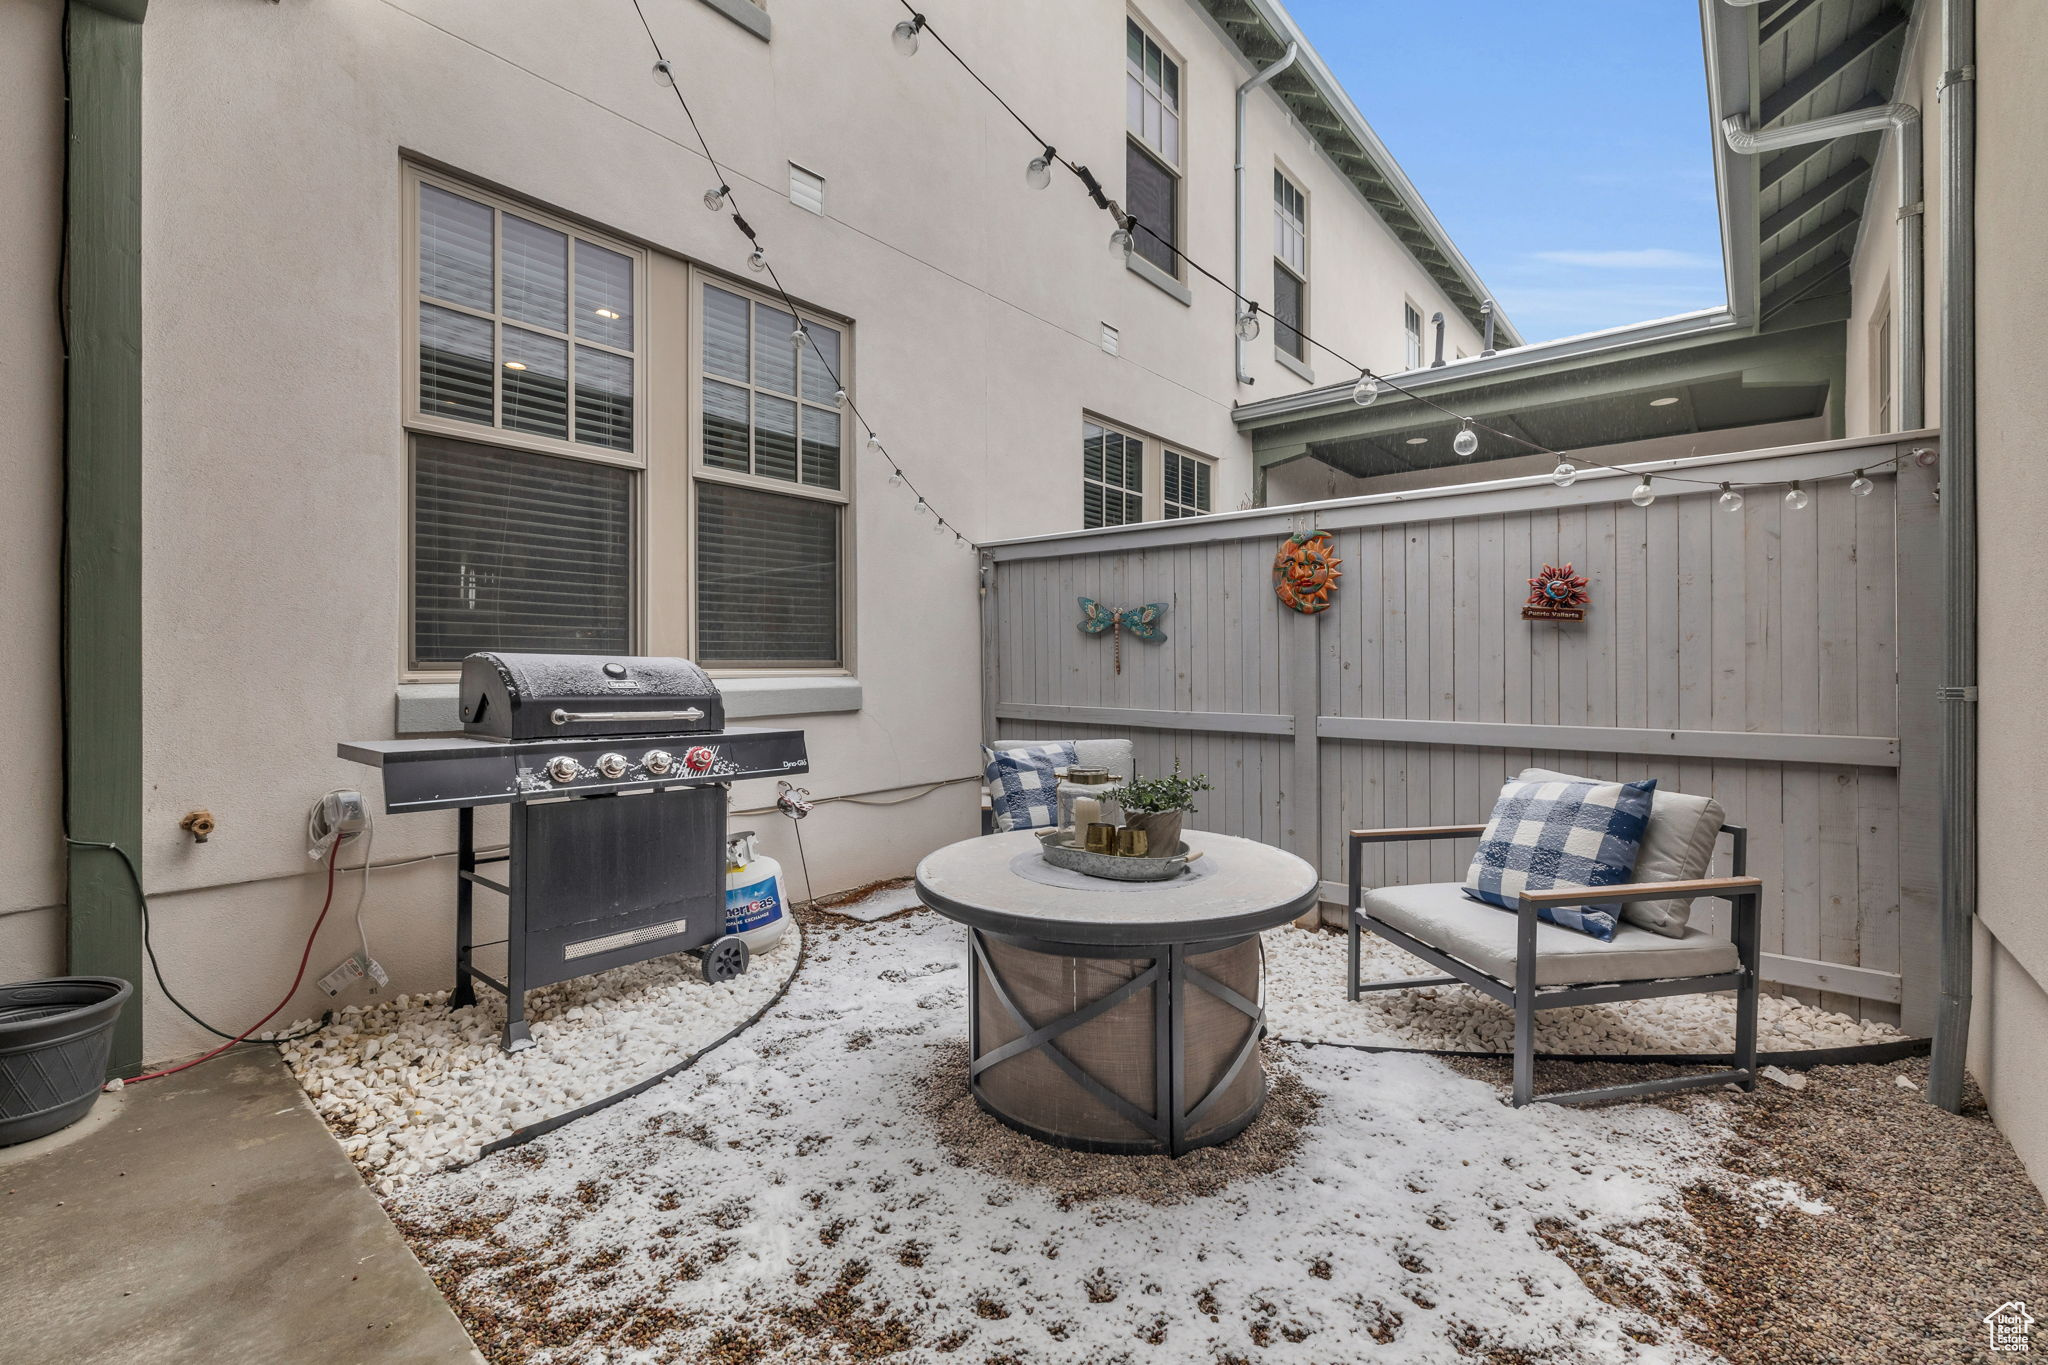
[
  {"x": 1024, "y": 786},
  {"x": 1551, "y": 834}
]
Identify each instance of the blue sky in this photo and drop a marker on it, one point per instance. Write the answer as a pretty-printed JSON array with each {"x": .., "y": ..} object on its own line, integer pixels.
[{"x": 1564, "y": 146}]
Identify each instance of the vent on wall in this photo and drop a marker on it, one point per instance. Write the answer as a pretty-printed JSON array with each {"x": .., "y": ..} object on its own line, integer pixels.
[
  {"x": 1109, "y": 338},
  {"x": 806, "y": 189}
]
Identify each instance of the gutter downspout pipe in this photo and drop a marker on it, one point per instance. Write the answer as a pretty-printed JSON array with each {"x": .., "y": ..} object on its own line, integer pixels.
[
  {"x": 1904, "y": 121},
  {"x": 1244, "y": 93},
  {"x": 1958, "y": 94}
]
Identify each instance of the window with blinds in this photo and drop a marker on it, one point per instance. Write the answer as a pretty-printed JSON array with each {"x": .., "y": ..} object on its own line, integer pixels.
[
  {"x": 1112, "y": 476},
  {"x": 1411, "y": 328},
  {"x": 1186, "y": 485},
  {"x": 524, "y": 426},
  {"x": 1152, "y": 150},
  {"x": 517, "y": 551},
  {"x": 770, "y": 485}
]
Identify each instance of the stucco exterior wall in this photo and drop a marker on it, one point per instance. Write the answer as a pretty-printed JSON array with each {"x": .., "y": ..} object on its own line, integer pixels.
[
  {"x": 1874, "y": 269},
  {"x": 274, "y": 298},
  {"x": 31, "y": 488},
  {"x": 2011, "y": 1014}
]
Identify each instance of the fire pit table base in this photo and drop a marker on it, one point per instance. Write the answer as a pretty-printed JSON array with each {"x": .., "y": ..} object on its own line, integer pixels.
[{"x": 1132, "y": 1048}]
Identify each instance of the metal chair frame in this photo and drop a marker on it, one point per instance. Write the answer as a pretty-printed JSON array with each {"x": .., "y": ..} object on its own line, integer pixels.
[{"x": 1743, "y": 892}]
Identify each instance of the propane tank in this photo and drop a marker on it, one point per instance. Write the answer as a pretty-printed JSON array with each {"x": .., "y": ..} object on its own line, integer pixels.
[{"x": 756, "y": 909}]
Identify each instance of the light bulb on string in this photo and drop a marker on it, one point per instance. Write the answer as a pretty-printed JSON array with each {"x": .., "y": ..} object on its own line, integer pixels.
[
  {"x": 1121, "y": 241},
  {"x": 895, "y": 477},
  {"x": 1795, "y": 497},
  {"x": 1248, "y": 323},
  {"x": 1038, "y": 174},
  {"x": 904, "y": 35},
  {"x": 1861, "y": 485},
  {"x": 664, "y": 74},
  {"x": 839, "y": 398},
  {"x": 715, "y": 199},
  {"x": 922, "y": 507},
  {"x": 758, "y": 261},
  {"x": 1643, "y": 495},
  {"x": 798, "y": 338},
  {"x": 1565, "y": 475},
  {"x": 1466, "y": 441},
  {"x": 1366, "y": 391},
  {"x": 1731, "y": 499}
]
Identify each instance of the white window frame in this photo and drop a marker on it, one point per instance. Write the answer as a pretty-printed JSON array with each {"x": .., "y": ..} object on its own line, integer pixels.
[
  {"x": 414, "y": 420},
  {"x": 702, "y": 472},
  {"x": 1173, "y": 161},
  {"x": 1152, "y": 455},
  {"x": 1411, "y": 332},
  {"x": 1172, "y": 511},
  {"x": 1290, "y": 252}
]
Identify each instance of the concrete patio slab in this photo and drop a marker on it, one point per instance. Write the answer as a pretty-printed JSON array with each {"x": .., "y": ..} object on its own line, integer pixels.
[{"x": 209, "y": 1216}]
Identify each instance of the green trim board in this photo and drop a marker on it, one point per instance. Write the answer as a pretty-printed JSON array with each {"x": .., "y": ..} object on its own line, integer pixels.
[{"x": 102, "y": 648}]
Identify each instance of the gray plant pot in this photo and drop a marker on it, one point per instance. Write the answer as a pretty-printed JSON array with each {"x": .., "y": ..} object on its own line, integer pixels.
[
  {"x": 54, "y": 1039},
  {"x": 1162, "y": 828}
]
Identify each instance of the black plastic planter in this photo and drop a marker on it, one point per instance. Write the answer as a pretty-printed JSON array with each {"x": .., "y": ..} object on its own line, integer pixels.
[{"x": 54, "y": 1039}]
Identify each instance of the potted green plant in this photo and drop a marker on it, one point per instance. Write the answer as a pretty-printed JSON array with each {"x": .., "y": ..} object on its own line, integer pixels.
[{"x": 1157, "y": 805}]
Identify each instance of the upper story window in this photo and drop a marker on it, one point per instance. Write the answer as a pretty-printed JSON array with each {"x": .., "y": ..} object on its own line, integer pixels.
[
  {"x": 1881, "y": 370},
  {"x": 1152, "y": 146},
  {"x": 1290, "y": 266},
  {"x": 527, "y": 446},
  {"x": 1185, "y": 485},
  {"x": 1411, "y": 324},
  {"x": 1112, "y": 476}
]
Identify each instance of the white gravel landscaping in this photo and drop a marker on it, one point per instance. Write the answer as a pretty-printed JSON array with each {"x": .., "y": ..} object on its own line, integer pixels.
[
  {"x": 411, "y": 1087},
  {"x": 821, "y": 1189},
  {"x": 1305, "y": 1002}
]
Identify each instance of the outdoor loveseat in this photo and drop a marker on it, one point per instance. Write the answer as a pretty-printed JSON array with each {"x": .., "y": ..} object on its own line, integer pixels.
[{"x": 1530, "y": 965}]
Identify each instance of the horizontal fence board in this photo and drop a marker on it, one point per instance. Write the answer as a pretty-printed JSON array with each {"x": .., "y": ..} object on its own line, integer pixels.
[
  {"x": 1853, "y": 751},
  {"x": 1136, "y": 718}
]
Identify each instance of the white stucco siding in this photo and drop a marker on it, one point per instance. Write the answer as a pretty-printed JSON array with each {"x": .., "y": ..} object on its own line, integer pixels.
[
  {"x": 31, "y": 486},
  {"x": 274, "y": 373}
]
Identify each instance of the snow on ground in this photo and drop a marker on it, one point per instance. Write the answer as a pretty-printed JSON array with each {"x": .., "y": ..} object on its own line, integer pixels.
[
  {"x": 796, "y": 1196},
  {"x": 1305, "y": 1002},
  {"x": 410, "y": 1086},
  {"x": 872, "y": 903}
]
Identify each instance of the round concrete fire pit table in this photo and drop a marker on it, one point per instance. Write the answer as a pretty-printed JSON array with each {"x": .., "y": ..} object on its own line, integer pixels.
[{"x": 1117, "y": 1016}]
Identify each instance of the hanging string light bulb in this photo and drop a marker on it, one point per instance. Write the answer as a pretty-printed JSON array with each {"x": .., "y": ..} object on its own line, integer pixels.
[
  {"x": 1120, "y": 241},
  {"x": 1248, "y": 323},
  {"x": 1466, "y": 441},
  {"x": 839, "y": 398},
  {"x": 1731, "y": 499},
  {"x": 895, "y": 477},
  {"x": 1565, "y": 475},
  {"x": 715, "y": 199},
  {"x": 875, "y": 444},
  {"x": 1795, "y": 497},
  {"x": 799, "y": 337},
  {"x": 1643, "y": 495},
  {"x": 1366, "y": 391},
  {"x": 759, "y": 260},
  {"x": 1038, "y": 174},
  {"x": 904, "y": 35},
  {"x": 664, "y": 74},
  {"x": 923, "y": 507},
  {"x": 1861, "y": 485}
]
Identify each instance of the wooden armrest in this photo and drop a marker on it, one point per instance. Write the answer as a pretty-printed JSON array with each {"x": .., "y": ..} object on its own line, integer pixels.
[
  {"x": 1393, "y": 836},
  {"x": 1643, "y": 891}
]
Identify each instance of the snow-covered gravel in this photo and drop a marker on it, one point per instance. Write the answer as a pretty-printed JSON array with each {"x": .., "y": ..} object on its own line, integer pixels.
[
  {"x": 411, "y": 1087},
  {"x": 1305, "y": 1002},
  {"x": 872, "y": 903},
  {"x": 793, "y": 1197}
]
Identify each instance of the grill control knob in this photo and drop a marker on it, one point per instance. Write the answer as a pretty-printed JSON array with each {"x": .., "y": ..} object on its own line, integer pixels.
[
  {"x": 658, "y": 761},
  {"x": 612, "y": 765},
  {"x": 699, "y": 759},
  {"x": 563, "y": 768}
]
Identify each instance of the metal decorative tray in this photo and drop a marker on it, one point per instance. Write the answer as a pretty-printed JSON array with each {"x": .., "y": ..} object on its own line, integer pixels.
[{"x": 1110, "y": 867}]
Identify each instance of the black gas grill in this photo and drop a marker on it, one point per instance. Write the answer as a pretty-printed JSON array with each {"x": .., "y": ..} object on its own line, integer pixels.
[{"x": 616, "y": 773}]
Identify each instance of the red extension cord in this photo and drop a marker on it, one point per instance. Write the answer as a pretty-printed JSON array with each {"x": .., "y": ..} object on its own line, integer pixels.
[{"x": 304, "y": 957}]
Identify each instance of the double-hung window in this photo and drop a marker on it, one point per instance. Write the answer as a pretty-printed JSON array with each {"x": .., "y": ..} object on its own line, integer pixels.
[
  {"x": 1185, "y": 485},
  {"x": 1290, "y": 266},
  {"x": 770, "y": 485},
  {"x": 1411, "y": 328},
  {"x": 1121, "y": 470},
  {"x": 1152, "y": 147},
  {"x": 525, "y": 440}
]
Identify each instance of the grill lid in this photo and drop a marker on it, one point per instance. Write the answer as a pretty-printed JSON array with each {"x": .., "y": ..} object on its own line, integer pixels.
[{"x": 539, "y": 696}]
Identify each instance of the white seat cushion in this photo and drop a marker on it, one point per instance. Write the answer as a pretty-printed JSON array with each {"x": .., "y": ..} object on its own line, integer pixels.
[{"x": 1442, "y": 916}]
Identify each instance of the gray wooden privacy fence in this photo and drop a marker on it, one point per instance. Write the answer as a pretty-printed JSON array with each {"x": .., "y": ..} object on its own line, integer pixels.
[{"x": 1781, "y": 660}]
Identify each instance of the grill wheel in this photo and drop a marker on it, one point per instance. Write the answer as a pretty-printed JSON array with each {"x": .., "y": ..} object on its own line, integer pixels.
[{"x": 725, "y": 959}]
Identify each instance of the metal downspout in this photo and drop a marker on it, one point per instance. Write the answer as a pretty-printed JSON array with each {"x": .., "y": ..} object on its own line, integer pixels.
[
  {"x": 1958, "y": 94},
  {"x": 1903, "y": 120},
  {"x": 1244, "y": 93}
]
